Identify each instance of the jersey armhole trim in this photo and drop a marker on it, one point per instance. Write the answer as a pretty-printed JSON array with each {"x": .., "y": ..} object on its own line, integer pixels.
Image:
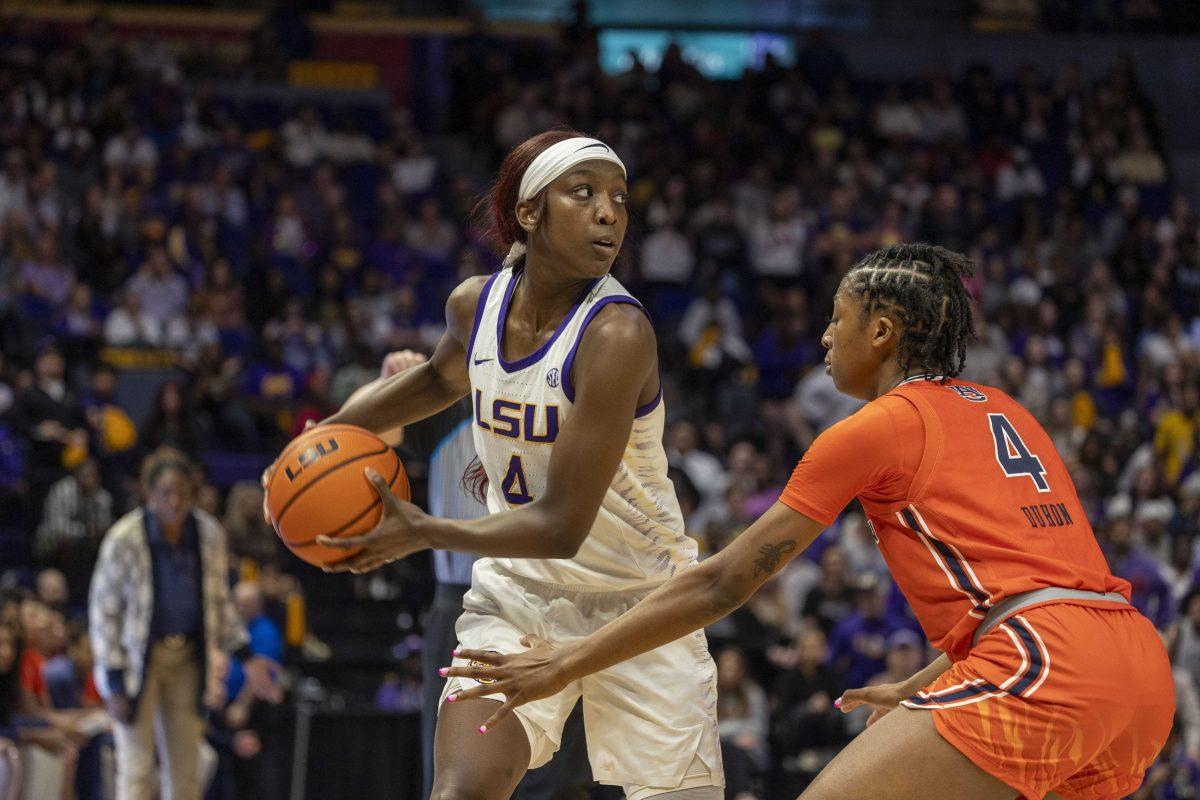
[
  {"x": 479, "y": 307},
  {"x": 569, "y": 387},
  {"x": 653, "y": 404}
]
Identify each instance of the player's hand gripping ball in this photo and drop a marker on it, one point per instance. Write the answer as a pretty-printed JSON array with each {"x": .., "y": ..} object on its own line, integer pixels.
[{"x": 318, "y": 488}]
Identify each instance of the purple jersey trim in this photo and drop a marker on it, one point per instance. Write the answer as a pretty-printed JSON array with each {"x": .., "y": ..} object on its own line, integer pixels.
[
  {"x": 536, "y": 355},
  {"x": 653, "y": 404},
  {"x": 568, "y": 387},
  {"x": 479, "y": 306}
]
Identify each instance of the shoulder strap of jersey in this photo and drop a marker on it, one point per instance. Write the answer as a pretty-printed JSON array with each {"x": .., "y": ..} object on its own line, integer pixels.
[
  {"x": 482, "y": 305},
  {"x": 606, "y": 292}
]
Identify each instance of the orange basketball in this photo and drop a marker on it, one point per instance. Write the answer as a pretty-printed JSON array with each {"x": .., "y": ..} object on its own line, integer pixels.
[{"x": 318, "y": 489}]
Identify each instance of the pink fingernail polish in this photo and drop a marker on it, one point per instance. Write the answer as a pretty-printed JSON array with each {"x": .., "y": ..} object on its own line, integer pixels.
[
  {"x": 483, "y": 728},
  {"x": 443, "y": 671},
  {"x": 837, "y": 703},
  {"x": 451, "y": 698},
  {"x": 454, "y": 653}
]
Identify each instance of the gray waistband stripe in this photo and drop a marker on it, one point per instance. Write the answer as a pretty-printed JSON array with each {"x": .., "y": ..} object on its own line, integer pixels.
[{"x": 1011, "y": 605}]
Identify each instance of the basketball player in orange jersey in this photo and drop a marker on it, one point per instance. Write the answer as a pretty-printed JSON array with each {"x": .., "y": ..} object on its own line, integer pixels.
[
  {"x": 560, "y": 365},
  {"x": 1050, "y": 683}
]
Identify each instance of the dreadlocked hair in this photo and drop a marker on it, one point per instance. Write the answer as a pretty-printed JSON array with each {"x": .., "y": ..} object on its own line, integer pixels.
[{"x": 922, "y": 285}]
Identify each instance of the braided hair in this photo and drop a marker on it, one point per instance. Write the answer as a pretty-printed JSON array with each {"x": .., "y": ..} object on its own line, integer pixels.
[{"x": 922, "y": 285}]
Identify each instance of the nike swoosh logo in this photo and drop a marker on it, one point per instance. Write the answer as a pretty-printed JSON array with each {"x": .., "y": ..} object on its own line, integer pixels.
[{"x": 479, "y": 361}]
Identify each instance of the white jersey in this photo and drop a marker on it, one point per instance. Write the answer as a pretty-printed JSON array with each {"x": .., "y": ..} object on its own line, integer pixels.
[{"x": 520, "y": 407}]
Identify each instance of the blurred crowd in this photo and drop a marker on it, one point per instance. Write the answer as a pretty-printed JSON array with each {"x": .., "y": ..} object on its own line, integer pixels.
[{"x": 272, "y": 265}]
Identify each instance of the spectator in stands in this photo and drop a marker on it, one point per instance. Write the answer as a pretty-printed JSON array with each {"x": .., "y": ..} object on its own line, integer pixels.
[
  {"x": 743, "y": 724},
  {"x": 131, "y": 150},
  {"x": 36, "y": 640},
  {"x": 192, "y": 332},
  {"x": 45, "y": 280},
  {"x": 806, "y": 727},
  {"x": 113, "y": 435},
  {"x": 82, "y": 326},
  {"x": 250, "y": 537},
  {"x": 68, "y": 674},
  {"x": 219, "y": 400},
  {"x": 266, "y": 639},
  {"x": 1183, "y": 639},
  {"x": 252, "y": 774},
  {"x": 272, "y": 387},
  {"x": 50, "y": 587},
  {"x": 1175, "y": 432},
  {"x": 832, "y": 599},
  {"x": 896, "y": 117},
  {"x": 159, "y": 600},
  {"x": 172, "y": 422},
  {"x": 1019, "y": 178},
  {"x": 942, "y": 117},
  {"x": 48, "y": 413},
  {"x": 414, "y": 169},
  {"x": 431, "y": 235},
  {"x": 712, "y": 334},
  {"x": 782, "y": 350},
  {"x": 667, "y": 256},
  {"x": 10, "y": 767},
  {"x": 161, "y": 292},
  {"x": 43, "y": 638},
  {"x": 46, "y": 765},
  {"x": 78, "y": 510},
  {"x": 943, "y": 222},
  {"x": 7, "y": 395},
  {"x": 304, "y": 137},
  {"x": 702, "y": 468},
  {"x": 1129, "y": 560},
  {"x": 523, "y": 117},
  {"x": 859, "y": 643},
  {"x": 288, "y": 236},
  {"x": 777, "y": 243},
  {"x": 816, "y": 405},
  {"x": 1139, "y": 163},
  {"x": 130, "y": 325}
]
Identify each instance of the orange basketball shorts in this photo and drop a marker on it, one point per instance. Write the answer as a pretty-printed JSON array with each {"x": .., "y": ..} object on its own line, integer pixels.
[{"x": 1065, "y": 698}]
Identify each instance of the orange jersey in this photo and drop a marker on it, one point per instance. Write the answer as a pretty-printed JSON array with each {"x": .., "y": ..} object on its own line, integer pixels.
[{"x": 967, "y": 497}]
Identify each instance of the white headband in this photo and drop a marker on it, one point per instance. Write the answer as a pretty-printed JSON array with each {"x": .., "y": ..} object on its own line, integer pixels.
[{"x": 554, "y": 161}]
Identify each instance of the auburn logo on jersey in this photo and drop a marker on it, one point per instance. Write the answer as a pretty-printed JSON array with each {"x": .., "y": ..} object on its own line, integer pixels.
[{"x": 969, "y": 393}]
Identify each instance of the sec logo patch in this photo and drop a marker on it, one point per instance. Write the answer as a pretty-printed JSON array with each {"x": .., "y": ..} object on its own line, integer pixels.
[{"x": 552, "y": 379}]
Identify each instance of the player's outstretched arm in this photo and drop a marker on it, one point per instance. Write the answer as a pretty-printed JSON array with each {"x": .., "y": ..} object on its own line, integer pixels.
[
  {"x": 691, "y": 600},
  {"x": 613, "y": 366}
]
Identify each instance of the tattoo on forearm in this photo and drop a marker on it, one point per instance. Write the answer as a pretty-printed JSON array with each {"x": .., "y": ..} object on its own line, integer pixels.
[{"x": 769, "y": 556}]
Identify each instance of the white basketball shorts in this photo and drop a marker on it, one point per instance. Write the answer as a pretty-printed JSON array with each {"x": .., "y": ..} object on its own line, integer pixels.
[{"x": 650, "y": 722}]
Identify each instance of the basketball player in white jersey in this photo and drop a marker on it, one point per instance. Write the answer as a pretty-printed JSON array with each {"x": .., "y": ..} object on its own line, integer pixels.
[
  {"x": 561, "y": 366},
  {"x": 446, "y": 445}
]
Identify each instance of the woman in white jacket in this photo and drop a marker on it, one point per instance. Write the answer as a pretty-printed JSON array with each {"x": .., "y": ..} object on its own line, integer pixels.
[{"x": 159, "y": 605}]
